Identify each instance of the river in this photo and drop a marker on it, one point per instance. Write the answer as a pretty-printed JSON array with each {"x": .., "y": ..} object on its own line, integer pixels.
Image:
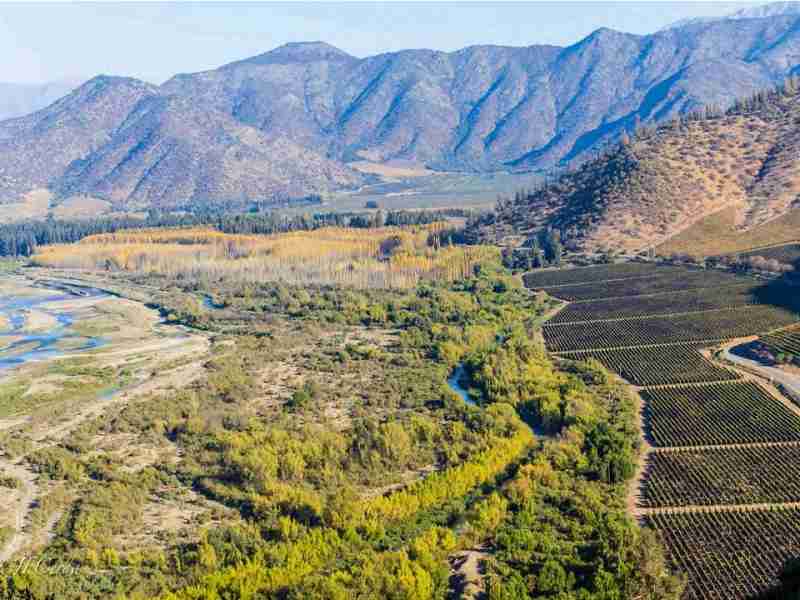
[
  {"x": 454, "y": 381},
  {"x": 22, "y": 342}
]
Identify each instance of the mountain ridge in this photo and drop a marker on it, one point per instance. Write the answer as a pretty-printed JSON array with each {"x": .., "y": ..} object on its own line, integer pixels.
[
  {"x": 715, "y": 174},
  {"x": 298, "y": 115}
]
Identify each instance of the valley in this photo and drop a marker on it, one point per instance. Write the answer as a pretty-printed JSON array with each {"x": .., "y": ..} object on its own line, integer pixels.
[{"x": 505, "y": 321}]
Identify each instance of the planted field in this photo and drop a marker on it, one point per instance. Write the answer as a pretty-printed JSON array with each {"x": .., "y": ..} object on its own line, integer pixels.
[
  {"x": 658, "y": 366},
  {"x": 730, "y": 555},
  {"x": 747, "y": 475},
  {"x": 551, "y": 277},
  {"x": 658, "y": 283},
  {"x": 662, "y": 304},
  {"x": 694, "y": 327},
  {"x": 717, "y": 413},
  {"x": 786, "y": 341}
]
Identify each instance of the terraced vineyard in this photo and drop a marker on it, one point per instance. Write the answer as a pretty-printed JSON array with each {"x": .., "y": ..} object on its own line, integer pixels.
[
  {"x": 692, "y": 327},
  {"x": 719, "y": 413},
  {"x": 658, "y": 365},
  {"x": 721, "y": 445},
  {"x": 582, "y": 275},
  {"x": 712, "y": 476},
  {"x": 730, "y": 554},
  {"x": 656, "y": 283},
  {"x": 729, "y": 296}
]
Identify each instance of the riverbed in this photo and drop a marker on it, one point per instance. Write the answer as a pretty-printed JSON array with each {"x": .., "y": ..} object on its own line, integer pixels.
[{"x": 38, "y": 323}]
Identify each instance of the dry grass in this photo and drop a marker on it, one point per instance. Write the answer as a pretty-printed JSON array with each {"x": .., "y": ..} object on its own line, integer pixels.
[
  {"x": 728, "y": 176},
  {"x": 35, "y": 205},
  {"x": 717, "y": 234},
  {"x": 391, "y": 171},
  {"x": 81, "y": 207}
]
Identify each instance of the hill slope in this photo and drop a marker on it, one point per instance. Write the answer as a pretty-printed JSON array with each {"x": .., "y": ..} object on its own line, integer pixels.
[
  {"x": 692, "y": 182},
  {"x": 308, "y": 109}
]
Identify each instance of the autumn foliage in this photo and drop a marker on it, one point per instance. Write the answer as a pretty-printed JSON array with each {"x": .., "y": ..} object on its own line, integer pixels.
[{"x": 385, "y": 257}]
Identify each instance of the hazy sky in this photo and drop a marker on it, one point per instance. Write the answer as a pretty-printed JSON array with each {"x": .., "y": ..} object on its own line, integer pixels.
[{"x": 152, "y": 41}]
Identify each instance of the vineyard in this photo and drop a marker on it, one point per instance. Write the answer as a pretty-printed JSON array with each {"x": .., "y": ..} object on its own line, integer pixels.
[
  {"x": 717, "y": 413},
  {"x": 723, "y": 445},
  {"x": 657, "y": 365},
  {"x": 386, "y": 257},
  {"x": 786, "y": 341},
  {"x": 730, "y": 554},
  {"x": 656, "y": 283},
  {"x": 744, "y": 475},
  {"x": 582, "y": 275},
  {"x": 692, "y": 327},
  {"x": 730, "y": 296}
]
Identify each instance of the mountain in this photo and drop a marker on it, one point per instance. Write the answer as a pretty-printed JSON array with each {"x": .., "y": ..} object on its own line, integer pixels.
[
  {"x": 732, "y": 175},
  {"x": 18, "y": 99},
  {"x": 774, "y": 9},
  {"x": 288, "y": 122}
]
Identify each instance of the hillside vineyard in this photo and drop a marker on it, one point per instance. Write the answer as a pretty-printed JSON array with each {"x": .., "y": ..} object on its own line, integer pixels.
[{"x": 718, "y": 480}]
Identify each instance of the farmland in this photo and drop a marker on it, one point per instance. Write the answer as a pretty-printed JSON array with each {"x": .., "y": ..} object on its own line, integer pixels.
[
  {"x": 757, "y": 474},
  {"x": 717, "y": 413},
  {"x": 785, "y": 341},
  {"x": 690, "y": 327},
  {"x": 655, "y": 365},
  {"x": 730, "y": 554},
  {"x": 658, "y": 282},
  {"x": 720, "y": 445},
  {"x": 725, "y": 296}
]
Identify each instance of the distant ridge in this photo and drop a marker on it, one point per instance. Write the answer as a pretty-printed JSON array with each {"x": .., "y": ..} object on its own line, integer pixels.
[
  {"x": 774, "y": 9},
  {"x": 289, "y": 122}
]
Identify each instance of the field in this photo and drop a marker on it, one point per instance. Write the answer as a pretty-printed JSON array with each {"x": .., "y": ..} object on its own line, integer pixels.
[
  {"x": 717, "y": 413},
  {"x": 757, "y": 474},
  {"x": 691, "y": 327},
  {"x": 717, "y": 440},
  {"x": 582, "y": 275},
  {"x": 730, "y": 554},
  {"x": 656, "y": 283},
  {"x": 786, "y": 341},
  {"x": 657, "y": 365},
  {"x": 724, "y": 296}
]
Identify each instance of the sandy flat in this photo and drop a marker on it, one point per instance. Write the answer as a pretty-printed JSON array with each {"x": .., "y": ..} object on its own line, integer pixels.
[{"x": 38, "y": 321}]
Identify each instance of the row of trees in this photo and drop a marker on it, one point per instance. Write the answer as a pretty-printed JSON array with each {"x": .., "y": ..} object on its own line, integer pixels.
[{"x": 23, "y": 239}]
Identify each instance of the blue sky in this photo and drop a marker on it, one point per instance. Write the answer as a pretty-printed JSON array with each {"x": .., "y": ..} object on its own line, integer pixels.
[{"x": 48, "y": 42}]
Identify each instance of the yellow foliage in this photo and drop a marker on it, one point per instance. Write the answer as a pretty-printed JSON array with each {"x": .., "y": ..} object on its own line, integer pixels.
[{"x": 385, "y": 257}]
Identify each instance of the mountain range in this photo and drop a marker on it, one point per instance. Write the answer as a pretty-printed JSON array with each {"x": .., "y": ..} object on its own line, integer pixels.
[
  {"x": 704, "y": 186},
  {"x": 301, "y": 118}
]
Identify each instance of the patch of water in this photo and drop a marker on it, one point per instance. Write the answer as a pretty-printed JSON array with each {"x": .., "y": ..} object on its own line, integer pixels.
[
  {"x": 454, "y": 382},
  {"x": 44, "y": 343}
]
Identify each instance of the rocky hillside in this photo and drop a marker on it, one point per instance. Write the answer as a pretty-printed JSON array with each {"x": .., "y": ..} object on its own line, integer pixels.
[
  {"x": 674, "y": 182},
  {"x": 289, "y": 122}
]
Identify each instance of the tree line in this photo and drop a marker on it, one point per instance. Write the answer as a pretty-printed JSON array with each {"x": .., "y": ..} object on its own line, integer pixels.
[{"x": 23, "y": 238}]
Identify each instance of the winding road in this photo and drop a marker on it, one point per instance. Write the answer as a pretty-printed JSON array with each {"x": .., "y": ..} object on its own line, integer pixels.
[{"x": 773, "y": 374}]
